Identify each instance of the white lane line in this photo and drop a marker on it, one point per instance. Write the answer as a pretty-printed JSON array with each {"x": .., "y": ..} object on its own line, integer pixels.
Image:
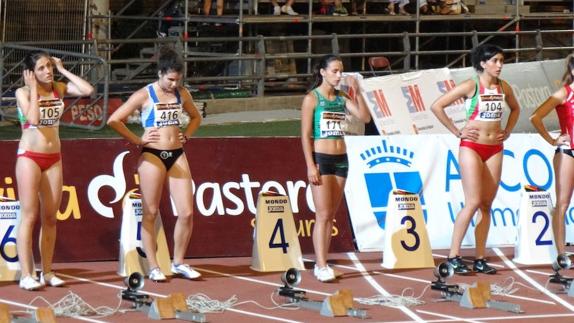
[
  {"x": 547, "y": 274},
  {"x": 534, "y": 283},
  {"x": 449, "y": 317},
  {"x": 161, "y": 295},
  {"x": 30, "y": 307},
  {"x": 359, "y": 266},
  {"x": 520, "y": 317}
]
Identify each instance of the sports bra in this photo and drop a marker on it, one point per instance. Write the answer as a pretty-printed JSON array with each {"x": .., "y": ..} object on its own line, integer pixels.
[
  {"x": 329, "y": 117},
  {"x": 565, "y": 114},
  {"x": 159, "y": 114},
  {"x": 486, "y": 104},
  {"x": 51, "y": 111}
]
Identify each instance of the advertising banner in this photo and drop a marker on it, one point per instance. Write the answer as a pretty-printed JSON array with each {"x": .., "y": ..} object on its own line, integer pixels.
[
  {"x": 428, "y": 164},
  {"x": 400, "y": 103},
  {"x": 228, "y": 174}
]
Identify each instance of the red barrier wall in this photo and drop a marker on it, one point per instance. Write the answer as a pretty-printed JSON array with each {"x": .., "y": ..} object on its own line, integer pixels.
[{"x": 228, "y": 174}]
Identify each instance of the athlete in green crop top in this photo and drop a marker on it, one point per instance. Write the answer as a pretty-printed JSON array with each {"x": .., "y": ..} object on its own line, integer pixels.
[{"x": 322, "y": 128}]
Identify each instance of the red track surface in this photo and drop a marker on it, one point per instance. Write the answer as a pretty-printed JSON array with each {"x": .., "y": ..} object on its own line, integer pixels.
[{"x": 98, "y": 284}]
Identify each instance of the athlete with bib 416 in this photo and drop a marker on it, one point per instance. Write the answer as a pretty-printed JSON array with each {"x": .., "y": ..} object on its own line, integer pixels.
[
  {"x": 39, "y": 165},
  {"x": 323, "y": 125},
  {"x": 481, "y": 147},
  {"x": 162, "y": 160}
]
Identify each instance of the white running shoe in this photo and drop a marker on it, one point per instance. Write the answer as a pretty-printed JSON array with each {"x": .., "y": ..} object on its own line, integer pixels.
[
  {"x": 277, "y": 11},
  {"x": 29, "y": 283},
  {"x": 185, "y": 270},
  {"x": 156, "y": 275},
  {"x": 51, "y": 279},
  {"x": 288, "y": 10},
  {"x": 324, "y": 274}
]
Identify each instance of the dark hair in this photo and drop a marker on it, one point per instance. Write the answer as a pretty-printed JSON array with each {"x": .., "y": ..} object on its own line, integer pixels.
[
  {"x": 32, "y": 57},
  {"x": 483, "y": 53},
  {"x": 567, "y": 79},
  {"x": 323, "y": 63},
  {"x": 169, "y": 60}
]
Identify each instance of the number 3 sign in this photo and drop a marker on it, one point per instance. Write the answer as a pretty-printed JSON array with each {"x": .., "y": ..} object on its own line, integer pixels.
[{"x": 407, "y": 244}]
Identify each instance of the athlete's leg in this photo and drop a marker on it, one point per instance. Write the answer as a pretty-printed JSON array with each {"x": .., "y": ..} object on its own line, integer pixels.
[
  {"x": 152, "y": 176},
  {"x": 471, "y": 174},
  {"x": 28, "y": 177},
  {"x": 179, "y": 181},
  {"x": 326, "y": 198},
  {"x": 564, "y": 176},
  {"x": 489, "y": 186},
  {"x": 50, "y": 198}
]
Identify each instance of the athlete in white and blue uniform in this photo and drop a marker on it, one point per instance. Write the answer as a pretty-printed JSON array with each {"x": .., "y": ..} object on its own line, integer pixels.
[{"x": 163, "y": 158}]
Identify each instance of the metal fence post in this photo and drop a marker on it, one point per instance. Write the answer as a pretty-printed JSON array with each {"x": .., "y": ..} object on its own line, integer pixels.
[
  {"x": 407, "y": 51},
  {"x": 335, "y": 44},
  {"x": 261, "y": 65}
]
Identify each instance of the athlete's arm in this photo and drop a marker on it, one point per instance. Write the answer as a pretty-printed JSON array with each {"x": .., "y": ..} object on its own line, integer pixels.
[
  {"x": 514, "y": 111},
  {"x": 357, "y": 107},
  {"x": 77, "y": 85},
  {"x": 194, "y": 116},
  {"x": 543, "y": 110},
  {"x": 463, "y": 90},
  {"x": 116, "y": 120},
  {"x": 307, "y": 110},
  {"x": 27, "y": 98}
]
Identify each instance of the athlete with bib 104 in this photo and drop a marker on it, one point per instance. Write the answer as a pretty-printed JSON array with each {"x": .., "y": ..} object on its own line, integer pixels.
[
  {"x": 323, "y": 125},
  {"x": 162, "y": 157},
  {"x": 563, "y": 102},
  {"x": 39, "y": 165},
  {"x": 481, "y": 149}
]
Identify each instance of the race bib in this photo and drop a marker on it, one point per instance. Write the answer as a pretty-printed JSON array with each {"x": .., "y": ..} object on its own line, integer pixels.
[
  {"x": 167, "y": 114},
  {"x": 490, "y": 107},
  {"x": 332, "y": 124},
  {"x": 50, "y": 112}
]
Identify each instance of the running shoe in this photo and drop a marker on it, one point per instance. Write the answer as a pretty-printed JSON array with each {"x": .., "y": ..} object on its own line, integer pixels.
[
  {"x": 156, "y": 275},
  {"x": 277, "y": 11},
  {"x": 288, "y": 10},
  {"x": 458, "y": 266},
  {"x": 29, "y": 283},
  {"x": 340, "y": 11},
  {"x": 480, "y": 266},
  {"x": 324, "y": 274},
  {"x": 51, "y": 279},
  {"x": 185, "y": 270}
]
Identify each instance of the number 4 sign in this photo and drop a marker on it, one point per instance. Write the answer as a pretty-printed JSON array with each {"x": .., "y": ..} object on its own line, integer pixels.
[
  {"x": 275, "y": 243},
  {"x": 9, "y": 217},
  {"x": 407, "y": 244}
]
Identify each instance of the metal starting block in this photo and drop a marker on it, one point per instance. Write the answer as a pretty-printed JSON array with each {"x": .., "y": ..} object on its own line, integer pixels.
[
  {"x": 40, "y": 315},
  {"x": 475, "y": 296},
  {"x": 566, "y": 283},
  {"x": 339, "y": 304},
  {"x": 171, "y": 307}
]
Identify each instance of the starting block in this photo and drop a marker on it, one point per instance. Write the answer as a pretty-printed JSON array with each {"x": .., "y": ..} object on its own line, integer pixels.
[
  {"x": 407, "y": 244},
  {"x": 132, "y": 256},
  {"x": 9, "y": 221},
  {"x": 535, "y": 243},
  {"x": 475, "y": 296},
  {"x": 40, "y": 315},
  {"x": 275, "y": 242}
]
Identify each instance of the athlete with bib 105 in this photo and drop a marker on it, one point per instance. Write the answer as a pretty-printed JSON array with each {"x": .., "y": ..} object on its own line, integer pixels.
[
  {"x": 481, "y": 149},
  {"x": 323, "y": 115},
  {"x": 162, "y": 159},
  {"x": 39, "y": 165}
]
